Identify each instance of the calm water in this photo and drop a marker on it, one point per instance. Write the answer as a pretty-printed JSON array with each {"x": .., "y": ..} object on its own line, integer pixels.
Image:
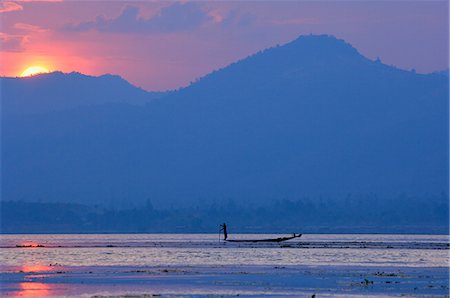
[{"x": 205, "y": 249}]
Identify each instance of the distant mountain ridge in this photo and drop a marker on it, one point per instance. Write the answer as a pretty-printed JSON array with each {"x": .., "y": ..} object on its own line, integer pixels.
[
  {"x": 60, "y": 91},
  {"x": 309, "y": 118},
  {"x": 443, "y": 72}
]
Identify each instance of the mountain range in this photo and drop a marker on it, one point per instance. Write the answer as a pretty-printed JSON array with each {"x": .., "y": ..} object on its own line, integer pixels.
[
  {"x": 309, "y": 118},
  {"x": 58, "y": 91}
]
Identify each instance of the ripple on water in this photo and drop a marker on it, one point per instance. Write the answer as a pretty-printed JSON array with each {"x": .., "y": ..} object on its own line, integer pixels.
[{"x": 204, "y": 249}]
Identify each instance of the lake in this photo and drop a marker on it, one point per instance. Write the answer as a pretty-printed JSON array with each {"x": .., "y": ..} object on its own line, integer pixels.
[{"x": 201, "y": 264}]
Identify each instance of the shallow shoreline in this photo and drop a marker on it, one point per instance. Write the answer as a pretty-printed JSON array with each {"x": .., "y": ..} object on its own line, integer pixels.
[{"x": 227, "y": 280}]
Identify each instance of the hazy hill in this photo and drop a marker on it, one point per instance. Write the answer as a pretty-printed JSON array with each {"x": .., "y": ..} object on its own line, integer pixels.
[
  {"x": 59, "y": 91},
  {"x": 309, "y": 118},
  {"x": 443, "y": 72}
]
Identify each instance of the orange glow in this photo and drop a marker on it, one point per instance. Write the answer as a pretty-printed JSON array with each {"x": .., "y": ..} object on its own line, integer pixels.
[
  {"x": 33, "y": 70},
  {"x": 28, "y": 289},
  {"x": 56, "y": 58},
  {"x": 29, "y": 244},
  {"x": 35, "y": 268}
]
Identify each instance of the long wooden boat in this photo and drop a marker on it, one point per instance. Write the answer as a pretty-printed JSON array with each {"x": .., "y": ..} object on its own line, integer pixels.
[{"x": 280, "y": 239}]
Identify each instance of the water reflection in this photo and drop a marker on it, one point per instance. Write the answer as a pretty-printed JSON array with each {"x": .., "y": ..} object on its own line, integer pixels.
[
  {"x": 35, "y": 268},
  {"x": 30, "y": 288},
  {"x": 33, "y": 289},
  {"x": 201, "y": 249},
  {"x": 61, "y": 252},
  {"x": 29, "y": 244}
]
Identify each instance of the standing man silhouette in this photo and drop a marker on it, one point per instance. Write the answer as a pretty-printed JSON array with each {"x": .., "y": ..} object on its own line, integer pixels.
[{"x": 223, "y": 227}]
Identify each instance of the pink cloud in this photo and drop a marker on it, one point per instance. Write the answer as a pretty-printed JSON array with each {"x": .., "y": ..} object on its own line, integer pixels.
[
  {"x": 39, "y": 0},
  {"x": 12, "y": 43},
  {"x": 216, "y": 16},
  {"x": 28, "y": 27},
  {"x": 8, "y": 6}
]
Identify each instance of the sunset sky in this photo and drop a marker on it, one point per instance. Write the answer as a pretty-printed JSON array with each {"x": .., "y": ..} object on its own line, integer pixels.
[{"x": 166, "y": 45}]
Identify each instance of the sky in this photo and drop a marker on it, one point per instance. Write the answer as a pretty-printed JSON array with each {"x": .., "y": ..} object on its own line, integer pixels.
[{"x": 164, "y": 45}]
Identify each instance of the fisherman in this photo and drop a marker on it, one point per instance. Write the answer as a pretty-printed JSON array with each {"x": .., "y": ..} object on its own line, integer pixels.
[{"x": 223, "y": 227}]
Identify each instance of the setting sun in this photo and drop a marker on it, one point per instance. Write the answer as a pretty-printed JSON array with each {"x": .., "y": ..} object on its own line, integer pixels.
[{"x": 33, "y": 70}]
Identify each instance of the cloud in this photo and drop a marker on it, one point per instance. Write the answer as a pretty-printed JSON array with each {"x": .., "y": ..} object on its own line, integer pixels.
[
  {"x": 29, "y": 27},
  {"x": 39, "y": 0},
  {"x": 17, "y": 42},
  {"x": 237, "y": 19},
  {"x": 12, "y": 43},
  {"x": 174, "y": 18},
  {"x": 7, "y": 6}
]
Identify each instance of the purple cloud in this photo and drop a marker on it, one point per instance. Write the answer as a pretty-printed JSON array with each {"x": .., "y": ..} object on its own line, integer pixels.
[
  {"x": 176, "y": 17},
  {"x": 237, "y": 19},
  {"x": 12, "y": 43}
]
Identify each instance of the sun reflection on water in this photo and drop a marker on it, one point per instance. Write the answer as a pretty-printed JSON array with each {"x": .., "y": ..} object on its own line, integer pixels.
[
  {"x": 29, "y": 244},
  {"x": 35, "y": 268},
  {"x": 33, "y": 289}
]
